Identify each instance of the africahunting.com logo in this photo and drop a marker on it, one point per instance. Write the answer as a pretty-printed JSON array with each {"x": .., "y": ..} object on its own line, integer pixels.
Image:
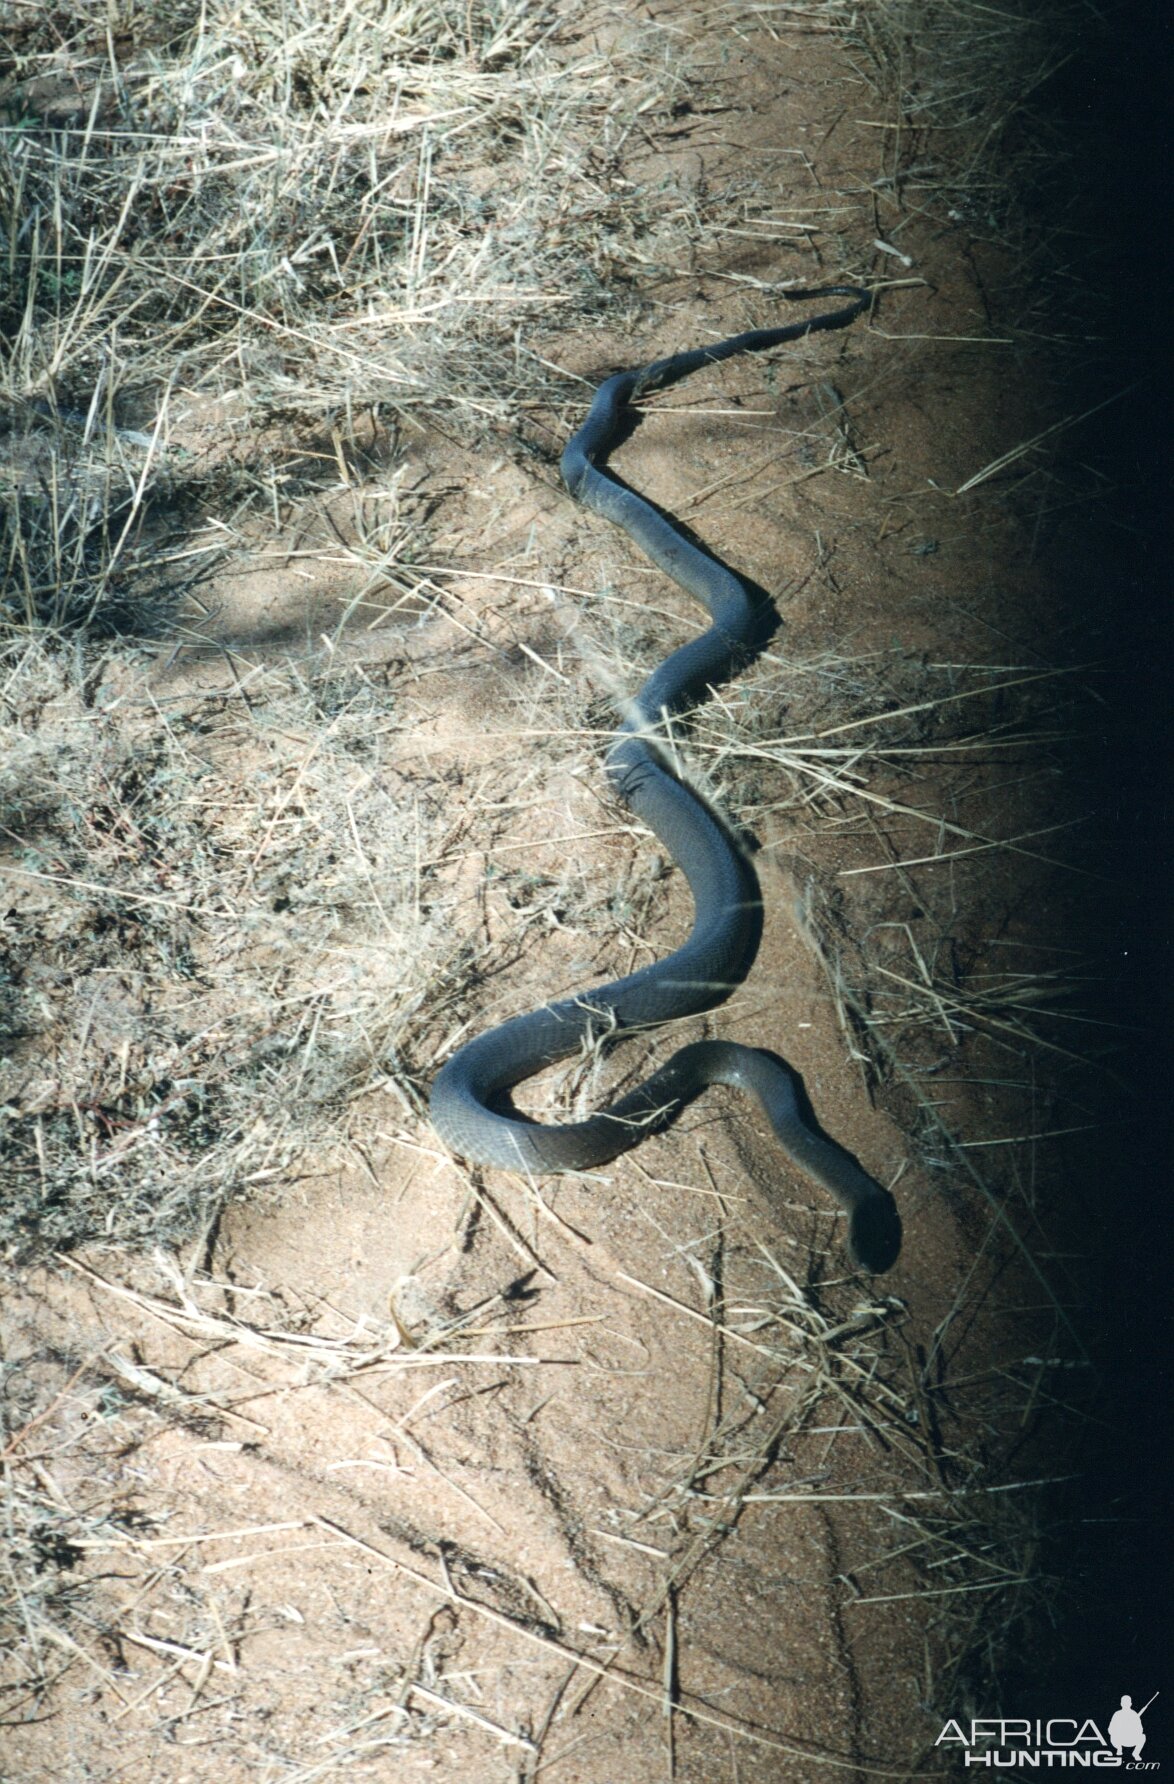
[{"x": 1023, "y": 1743}]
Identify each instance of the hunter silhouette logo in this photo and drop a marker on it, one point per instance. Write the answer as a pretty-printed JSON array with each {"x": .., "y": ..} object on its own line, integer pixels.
[
  {"x": 1125, "y": 1730},
  {"x": 1019, "y": 1743}
]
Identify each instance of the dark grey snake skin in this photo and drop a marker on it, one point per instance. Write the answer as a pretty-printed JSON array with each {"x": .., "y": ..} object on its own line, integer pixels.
[{"x": 467, "y": 1106}]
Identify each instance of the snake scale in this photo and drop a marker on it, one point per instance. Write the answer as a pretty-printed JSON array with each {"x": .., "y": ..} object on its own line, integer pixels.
[{"x": 468, "y": 1108}]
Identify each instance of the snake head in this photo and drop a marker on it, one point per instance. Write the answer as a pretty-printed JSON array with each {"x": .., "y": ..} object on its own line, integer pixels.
[{"x": 874, "y": 1233}]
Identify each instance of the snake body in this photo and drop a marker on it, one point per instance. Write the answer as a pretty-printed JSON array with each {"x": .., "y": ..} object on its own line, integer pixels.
[{"x": 466, "y": 1102}]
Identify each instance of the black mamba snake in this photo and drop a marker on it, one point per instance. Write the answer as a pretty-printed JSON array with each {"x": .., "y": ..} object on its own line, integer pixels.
[{"x": 466, "y": 1096}]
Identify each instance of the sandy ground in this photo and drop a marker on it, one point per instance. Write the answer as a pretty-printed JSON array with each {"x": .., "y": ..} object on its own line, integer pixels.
[{"x": 405, "y": 1470}]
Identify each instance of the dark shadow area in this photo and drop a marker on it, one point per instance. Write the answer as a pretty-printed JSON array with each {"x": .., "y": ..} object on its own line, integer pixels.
[{"x": 1108, "y": 1541}]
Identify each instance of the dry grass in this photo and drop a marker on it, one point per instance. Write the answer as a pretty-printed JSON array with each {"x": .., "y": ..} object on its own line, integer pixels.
[
  {"x": 227, "y": 231},
  {"x": 240, "y": 869},
  {"x": 216, "y": 216}
]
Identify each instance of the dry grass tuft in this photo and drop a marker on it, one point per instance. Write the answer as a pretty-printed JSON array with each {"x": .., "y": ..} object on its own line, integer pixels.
[
  {"x": 217, "y": 215},
  {"x": 239, "y": 871}
]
